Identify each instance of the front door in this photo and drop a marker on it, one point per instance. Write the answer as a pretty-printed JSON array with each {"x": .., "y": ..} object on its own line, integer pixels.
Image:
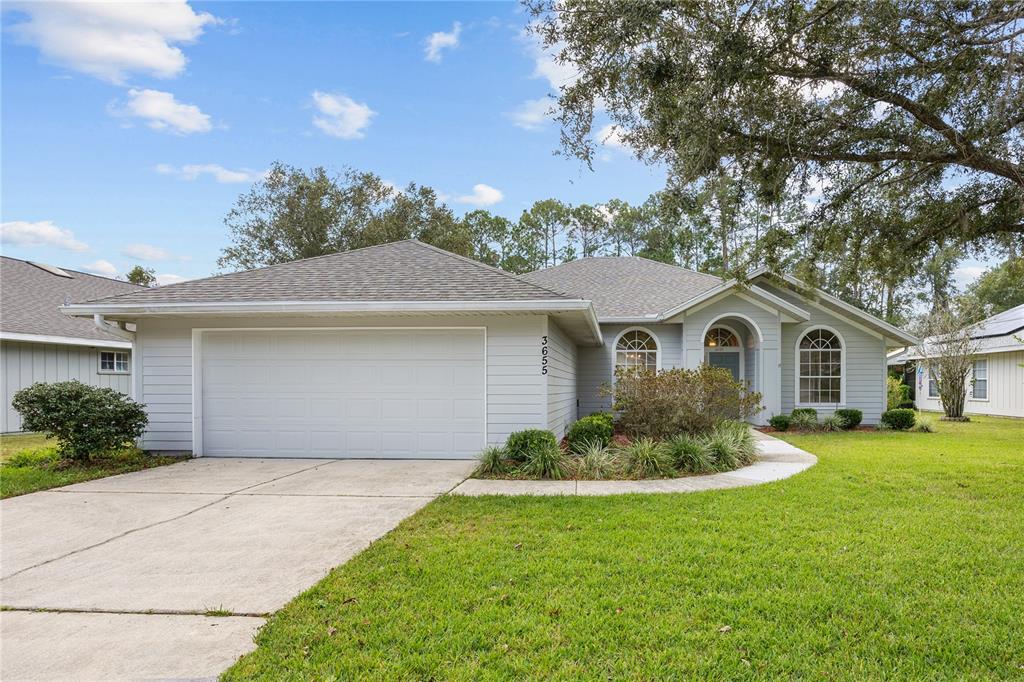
[{"x": 727, "y": 360}]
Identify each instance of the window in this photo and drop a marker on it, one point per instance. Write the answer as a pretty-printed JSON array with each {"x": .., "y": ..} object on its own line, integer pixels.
[
  {"x": 720, "y": 337},
  {"x": 115, "y": 361},
  {"x": 821, "y": 368},
  {"x": 933, "y": 384},
  {"x": 636, "y": 349},
  {"x": 980, "y": 380}
]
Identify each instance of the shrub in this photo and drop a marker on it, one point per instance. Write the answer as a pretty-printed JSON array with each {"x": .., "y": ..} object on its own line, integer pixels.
[
  {"x": 492, "y": 462},
  {"x": 33, "y": 458},
  {"x": 597, "y": 462},
  {"x": 899, "y": 419},
  {"x": 663, "y": 404},
  {"x": 832, "y": 422},
  {"x": 547, "y": 461},
  {"x": 897, "y": 393},
  {"x": 592, "y": 429},
  {"x": 851, "y": 418},
  {"x": 605, "y": 416},
  {"x": 84, "y": 419},
  {"x": 779, "y": 422},
  {"x": 924, "y": 425},
  {"x": 907, "y": 405},
  {"x": 647, "y": 458},
  {"x": 689, "y": 454},
  {"x": 809, "y": 411},
  {"x": 521, "y": 443},
  {"x": 804, "y": 420},
  {"x": 731, "y": 445}
]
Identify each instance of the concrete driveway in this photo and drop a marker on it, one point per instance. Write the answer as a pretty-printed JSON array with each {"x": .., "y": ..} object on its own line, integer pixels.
[{"x": 111, "y": 579}]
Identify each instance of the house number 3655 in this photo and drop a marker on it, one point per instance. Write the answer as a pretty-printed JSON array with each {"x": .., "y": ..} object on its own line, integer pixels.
[{"x": 543, "y": 355}]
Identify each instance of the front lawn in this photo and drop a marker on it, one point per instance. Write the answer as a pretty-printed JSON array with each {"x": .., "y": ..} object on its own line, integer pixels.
[
  {"x": 900, "y": 555},
  {"x": 28, "y": 463}
]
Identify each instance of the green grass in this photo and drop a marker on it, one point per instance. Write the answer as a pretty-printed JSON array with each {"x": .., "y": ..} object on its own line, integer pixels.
[
  {"x": 900, "y": 555},
  {"x": 29, "y": 463}
]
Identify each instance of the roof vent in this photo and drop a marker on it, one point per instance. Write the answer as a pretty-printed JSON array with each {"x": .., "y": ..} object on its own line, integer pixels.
[{"x": 52, "y": 269}]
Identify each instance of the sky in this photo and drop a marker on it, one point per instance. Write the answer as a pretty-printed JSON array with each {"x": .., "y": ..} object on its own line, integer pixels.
[{"x": 129, "y": 130}]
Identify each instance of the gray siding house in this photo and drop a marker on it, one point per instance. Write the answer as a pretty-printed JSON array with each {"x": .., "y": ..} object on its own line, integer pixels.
[
  {"x": 39, "y": 343},
  {"x": 406, "y": 350}
]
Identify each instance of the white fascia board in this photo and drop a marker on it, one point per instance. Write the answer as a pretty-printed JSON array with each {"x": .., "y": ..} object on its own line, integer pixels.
[
  {"x": 886, "y": 328},
  {"x": 731, "y": 286},
  {"x": 63, "y": 340}
]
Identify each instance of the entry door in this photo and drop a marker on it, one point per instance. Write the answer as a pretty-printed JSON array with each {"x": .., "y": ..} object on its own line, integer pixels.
[
  {"x": 726, "y": 360},
  {"x": 343, "y": 393}
]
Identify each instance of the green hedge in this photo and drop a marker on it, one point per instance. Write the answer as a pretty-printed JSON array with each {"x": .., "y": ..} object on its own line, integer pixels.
[
  {"x": 780, "y": 422},
  {"x": 593, "y": 429},
  {"x": 899, "y": 419},
  {"x": 809, "y": 411},
  {"x": 521, "y": 444},
  {"x": 851, "y": 418}
]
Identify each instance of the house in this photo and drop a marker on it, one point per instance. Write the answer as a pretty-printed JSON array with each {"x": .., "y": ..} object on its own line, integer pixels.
[
  {"x": 406, "y": 350},
  {"x": 38, "y": 343},
  {"x": 996, "y": 383}
]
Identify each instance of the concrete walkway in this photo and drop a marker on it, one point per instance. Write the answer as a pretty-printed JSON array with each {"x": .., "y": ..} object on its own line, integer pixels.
[
  {"x": 777, "y": 460},
  {"x": 168, "y": 573}
]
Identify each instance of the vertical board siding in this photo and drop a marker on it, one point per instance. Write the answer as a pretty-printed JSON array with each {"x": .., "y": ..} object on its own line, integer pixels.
[
  {"x": 516, "y": 388},
  {"x": 562, "y": 358},
  {"x": 596, "y": 364},
  {"x": 1005, "y": 388},
  {"x": 23, "y": 363}
]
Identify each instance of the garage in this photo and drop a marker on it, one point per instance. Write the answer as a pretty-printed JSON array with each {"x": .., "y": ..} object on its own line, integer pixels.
[{"x": 357, "y": 393}]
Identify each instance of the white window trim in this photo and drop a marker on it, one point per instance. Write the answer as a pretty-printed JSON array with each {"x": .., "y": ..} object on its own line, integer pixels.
[
  {"x": 930, "y": 375},
  {"x": 741, "y": 348},
  {"x": 987, "y": 380},
  {"x": 99, "y": 362},
  {"x": 842, "y": 368},
  {"x": 657, "y": 350}
]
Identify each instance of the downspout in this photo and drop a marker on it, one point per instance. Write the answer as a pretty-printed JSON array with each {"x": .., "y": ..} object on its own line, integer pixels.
[{"x": 115, "y": 328}]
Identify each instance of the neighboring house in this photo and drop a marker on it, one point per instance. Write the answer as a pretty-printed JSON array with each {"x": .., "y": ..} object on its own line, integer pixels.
[
  {"x": 38, "y": 343},
  {"x": 996, "y": 384},
  {"x": 406, "y": 350}
]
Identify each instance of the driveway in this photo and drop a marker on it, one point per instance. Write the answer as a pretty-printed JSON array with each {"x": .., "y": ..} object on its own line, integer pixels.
[{"x": 168, "y": 572}]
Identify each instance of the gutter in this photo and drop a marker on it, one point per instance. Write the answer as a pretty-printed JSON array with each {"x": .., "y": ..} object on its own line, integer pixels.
[
  {"x": 63, "y": 340},
  {"x": 116, "y": 329}
]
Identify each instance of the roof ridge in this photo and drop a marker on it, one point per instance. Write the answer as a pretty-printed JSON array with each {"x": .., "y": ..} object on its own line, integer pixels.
[{"x": 491, "y": 268}]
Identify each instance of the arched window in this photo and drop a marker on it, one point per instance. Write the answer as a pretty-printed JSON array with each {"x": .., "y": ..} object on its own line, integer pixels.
[
  {"x": 820, "y": 371},
  {"x": 636, "y": 349},
  {"x": 720, "y": 337}
]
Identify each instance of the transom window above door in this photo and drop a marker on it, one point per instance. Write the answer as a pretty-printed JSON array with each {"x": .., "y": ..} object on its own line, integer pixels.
[
  {"x": 636, "y": 350},
  {"x": 720, "y": 337},
  {"x": 820, "y": 368}
]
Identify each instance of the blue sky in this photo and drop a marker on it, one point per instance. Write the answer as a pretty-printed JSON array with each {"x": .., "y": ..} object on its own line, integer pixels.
[{"x": 127, "y": 135}]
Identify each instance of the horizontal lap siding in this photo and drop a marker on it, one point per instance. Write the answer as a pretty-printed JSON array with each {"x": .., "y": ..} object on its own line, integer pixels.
[
  {"x": 23, "y": 364},
  {"x": 561, "y": 380},
  {"x": 1005, "y": 388},
  {"x": 516, "y": 395},
  {"x": 596, "y": 364}
]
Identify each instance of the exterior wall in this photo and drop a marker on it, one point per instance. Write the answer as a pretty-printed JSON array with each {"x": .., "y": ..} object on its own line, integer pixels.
[
  {"x": 561, "y": 376},
  {"x": 516, "y": 388},
  {"x": 596, "y": 364},
  {"x": 864, "y": 359},
  {"x": 23, "y": 364},
  {"x": 1005, "y": 388},
  {"x": 761, "y": 358}
]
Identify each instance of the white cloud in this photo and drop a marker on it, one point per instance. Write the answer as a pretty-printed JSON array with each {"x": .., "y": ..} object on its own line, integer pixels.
[
  {"x": 610, "y": 136},
  {"x": 437, "y": 42},
  {"x": 966, "y": 274},
  {"x": 40, "y": 233},
  {"x": 169, "y": 279},
  {"x": 546, "y": 66},
  {"x": 162, "y": 112},
  {"x": 219, "y": 173},
  {"x": 110, "y": 40},
  {"x": 483, "y": 195},
  {"x": 101, "y": 267},
  {"x": 533, "y": 113},
  {"x": 150, "y": 253},
  {"x": 341, "y": 116}
]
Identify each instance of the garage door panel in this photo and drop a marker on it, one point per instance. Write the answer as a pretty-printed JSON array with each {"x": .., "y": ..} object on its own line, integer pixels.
[{"x": 331, "y": 393}]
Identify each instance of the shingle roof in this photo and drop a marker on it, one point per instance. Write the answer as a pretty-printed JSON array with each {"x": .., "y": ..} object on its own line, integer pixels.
[
  {"x": 1005, "y": 323},
  {"x": 30, "y": 298},
  {"x": 625, "y": 287},
  {"x": 400, "y": 271}
]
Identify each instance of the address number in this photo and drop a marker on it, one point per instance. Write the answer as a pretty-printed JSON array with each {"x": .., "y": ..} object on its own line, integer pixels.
[{"x": 544, "y": 355}]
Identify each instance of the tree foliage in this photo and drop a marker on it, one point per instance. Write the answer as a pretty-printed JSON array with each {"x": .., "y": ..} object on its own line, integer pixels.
[
  {"x": 948, "y": 351},
  {"x": 891, "y": 108},
  {"x": 144, "y": 277},
  {"x": 999, "y": 288}
]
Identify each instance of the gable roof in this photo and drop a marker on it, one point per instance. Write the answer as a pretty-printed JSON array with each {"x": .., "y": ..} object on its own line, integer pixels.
[
  {"x": 626, "y": 287},
  {"x": 997, "y": 334},
  {"x": 399, "y": 271},
  {"x": 31, "y": 296},
  {"x": 1002, "y": 324}
]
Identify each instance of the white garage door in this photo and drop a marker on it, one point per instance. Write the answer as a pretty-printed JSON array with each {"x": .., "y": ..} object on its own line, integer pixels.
[{"x": 343, "y": 393}]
